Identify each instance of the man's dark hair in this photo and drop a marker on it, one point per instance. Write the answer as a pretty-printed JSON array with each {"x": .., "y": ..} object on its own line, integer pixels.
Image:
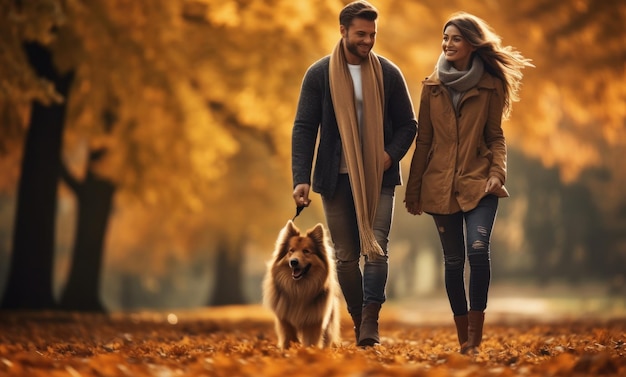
[{"x": 357, "y": 9}]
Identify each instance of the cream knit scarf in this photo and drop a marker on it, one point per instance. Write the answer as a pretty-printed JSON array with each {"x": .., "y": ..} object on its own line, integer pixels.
[{"x": 363, "y": 150}]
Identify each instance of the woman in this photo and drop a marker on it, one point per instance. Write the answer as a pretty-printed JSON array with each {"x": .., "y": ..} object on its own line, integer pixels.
[{"x": 458, "y": 169}]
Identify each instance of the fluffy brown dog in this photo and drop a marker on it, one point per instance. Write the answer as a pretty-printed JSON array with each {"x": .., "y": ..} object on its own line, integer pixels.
[{"x": 301, "y": 288}]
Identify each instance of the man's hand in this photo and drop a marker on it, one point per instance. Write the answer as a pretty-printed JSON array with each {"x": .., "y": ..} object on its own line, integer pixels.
[
  {"x": 387, "y": 161},
  {"x": 301, "y": 195}
]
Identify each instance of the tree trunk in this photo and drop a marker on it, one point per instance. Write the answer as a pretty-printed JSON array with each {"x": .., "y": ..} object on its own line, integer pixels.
[
  {"x": 94, "y": 199},
  {"x": 228, "y": 288},
  {"x": 29, "y": 285}
]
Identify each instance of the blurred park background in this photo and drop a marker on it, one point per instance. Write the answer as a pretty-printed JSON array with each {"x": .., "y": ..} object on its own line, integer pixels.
[{"x": 145, "y": 148}]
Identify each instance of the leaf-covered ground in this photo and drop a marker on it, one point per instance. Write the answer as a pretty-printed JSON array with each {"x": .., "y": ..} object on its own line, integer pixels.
[{"x": 240, "y": 341}]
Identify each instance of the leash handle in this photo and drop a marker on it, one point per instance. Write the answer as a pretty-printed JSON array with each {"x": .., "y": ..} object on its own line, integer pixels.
[{"x": 298, "y": 210}]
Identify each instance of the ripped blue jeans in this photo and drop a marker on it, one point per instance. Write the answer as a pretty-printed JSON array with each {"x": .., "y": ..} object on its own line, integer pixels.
[{"x": 478, "y": 224}]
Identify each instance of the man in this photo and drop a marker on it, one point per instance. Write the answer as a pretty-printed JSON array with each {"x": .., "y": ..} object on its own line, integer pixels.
[{"x": 360, "y": 105}]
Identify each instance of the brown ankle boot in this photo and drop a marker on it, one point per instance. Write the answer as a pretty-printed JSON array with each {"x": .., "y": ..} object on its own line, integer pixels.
[
  {"x": 356, "y": 319},
  {"x": 476, "y": 319},
  {"x": 461, "y": 323},
  {"x": 369, "y": 325}
]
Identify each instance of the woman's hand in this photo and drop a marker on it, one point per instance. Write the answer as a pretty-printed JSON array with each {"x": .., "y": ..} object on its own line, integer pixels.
[
  {"x": 414, "y": 208},
  {"x": 493, "y": 185}
]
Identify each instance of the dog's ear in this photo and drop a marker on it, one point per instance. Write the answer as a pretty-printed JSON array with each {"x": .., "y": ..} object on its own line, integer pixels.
[
  {"x": 291, "y": 229},
  {"x": 282, "y": 243},
  {"x": 317, "y": 234}
]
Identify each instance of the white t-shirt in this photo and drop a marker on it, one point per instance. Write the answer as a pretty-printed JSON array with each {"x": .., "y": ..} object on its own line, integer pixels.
[{"x": 355, "y": 72}]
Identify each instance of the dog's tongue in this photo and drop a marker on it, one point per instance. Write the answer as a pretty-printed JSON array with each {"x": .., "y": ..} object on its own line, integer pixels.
[{"x": 296, "y": 273}]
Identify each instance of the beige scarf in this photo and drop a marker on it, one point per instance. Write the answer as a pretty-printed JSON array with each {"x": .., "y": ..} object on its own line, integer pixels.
[{"x": 364, "y": 149}]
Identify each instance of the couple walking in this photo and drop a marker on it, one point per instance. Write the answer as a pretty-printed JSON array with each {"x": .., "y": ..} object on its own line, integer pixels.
[{"x": 357, "y": 103}]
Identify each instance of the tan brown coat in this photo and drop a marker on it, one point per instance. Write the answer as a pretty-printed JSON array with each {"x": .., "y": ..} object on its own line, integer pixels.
[{"x": 454, "y": 154}]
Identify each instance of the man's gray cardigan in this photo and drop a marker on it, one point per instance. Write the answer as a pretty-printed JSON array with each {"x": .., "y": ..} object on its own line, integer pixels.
[{"x": 315, "y": 110}]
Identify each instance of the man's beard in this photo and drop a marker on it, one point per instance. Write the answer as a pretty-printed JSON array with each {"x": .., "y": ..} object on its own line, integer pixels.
[{"x": 354, "y": 49}]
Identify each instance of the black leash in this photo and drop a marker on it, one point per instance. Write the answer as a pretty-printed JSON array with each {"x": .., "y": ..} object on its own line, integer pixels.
[{"x": 298, "y": 210}]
